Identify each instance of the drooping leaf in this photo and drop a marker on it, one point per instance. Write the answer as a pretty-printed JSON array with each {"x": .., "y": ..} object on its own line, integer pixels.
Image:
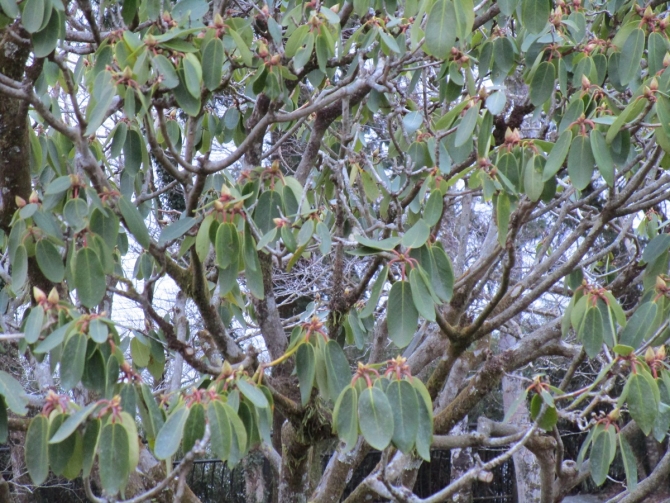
[
  {"x": 639, "y": 326},
  {"x": 73, "y": 361},
  {"x": 345, "y": 417},
  {"x": 404, "y": 404},
  {"x": 642, "y": 401},
  {"x": 441, "y": 29},
  {"x": 37, "y": 449},
  {"x": 581, "y": 162},
  {"x": 402, "y": 315},
  {"x": 306, "y": 370},
  {"x": 89, "y": 278},
  {"x": 253, "y": 393},
  {"x": 337, "y": 369},
  {"x": 194, "y": 429},
  {"x": 170, "y": 435},
  {"x": 542, "y": 85},
  {"x": 113, "y": 456},
  {"x": 375, "y": 418}
]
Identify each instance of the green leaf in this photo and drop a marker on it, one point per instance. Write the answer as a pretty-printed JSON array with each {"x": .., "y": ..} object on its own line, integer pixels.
[
  {"x": 602, "y": 156},
  {"x": 591, "y": 332},
  {"x": 114, "y": 457},
  {"x": 467, "y": 125},
  {"x": 387, "y": 244},
  {"x": 176, "y": 230},
  {"x": 417, "y": 235},
  {"x": 98, "y": 331},
  {"x": 404, "y": 404},
  {"x": 242, "y": 47},
  {"x": 227, "y": 245},
  {"x": 306, "y": 369},
  {"x": 535, "y": 14},
  {"x": 375, "y": 293},
  {"x": 401, "y": 313},
  {"x": 345, "y": 420},
  {"x": 337, "y": 369},
  {"x": 629, "y": 463},
  {"x": 542, "y": 84},
  {"x": 267, "y": 209},
  {"x": 72, "y": 423},
  {"x": 32, "y": 15},
  {"x": 441, "y": 29},
  {"x": 202, "y": 241},
  {"x": 15, "y": 396},
  {"x": 532, "y": 178},
  {"x": 49, "y": 261},
  {"x": 503, "y": 213},
  {"x": 220, "y": 428},
  {"x": 465, "y": 17},
  {"x": 213, "y": 56},
  {"x": 140, "y": 352},
  {"x": 170, "y": 435},
  {"x": 37, "y": 449},
  {"x": 46, "y": 40},
  {"x": 76, "y": 214},
  {"x": 252, "y": 393},
  {"x": 423, "y": 301},
  {"x": 434, "y": 207},
  {"x": 581, "y": 162},
  {"x": 90, "y": 441},
  {"x": 192, "y": 74},
  {"x": 166, "y": 69},
  {"x": 10, "y": 8},
  {"x": 424, "y": 434},
  {"x": 600, "y": 456},
  {"x": 238, "y": 446},
  {"x": 194, "y": 429},
  {"x": 656, "y": 247},
  {"x": 19, "y": 268},
  {"x": 443, "y": 274},
  {"x": 631, "y": 55},
  {"x": 134, "y": 221},
  {"x": 639, "y": 326},
  {"x": 73, "y": 361},
  {"x": 642, "y": 400},
  {"x": 60, "y": 453},
  {"x": 33, "y": 326},
  {"x": 89, "y": 278},
  {"x": 375, "y": 418}
]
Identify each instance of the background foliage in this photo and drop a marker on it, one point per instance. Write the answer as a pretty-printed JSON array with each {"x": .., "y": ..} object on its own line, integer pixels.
[{"x": 338, "y": 220}]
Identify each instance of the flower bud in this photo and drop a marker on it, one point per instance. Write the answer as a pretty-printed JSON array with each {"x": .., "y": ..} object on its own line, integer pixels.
[
  {"x": 53, "y": 296},
  {"x": 20, "y": 202},
  {"x": 34, "y": 198},
  {"x": 649, "y": 356},
  {"x": 660, "y": 353},
  {"x": 39, "y": 295}
]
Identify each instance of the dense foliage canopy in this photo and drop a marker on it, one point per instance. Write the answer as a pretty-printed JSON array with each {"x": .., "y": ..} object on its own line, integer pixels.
[{"x": 344, "y": 224}]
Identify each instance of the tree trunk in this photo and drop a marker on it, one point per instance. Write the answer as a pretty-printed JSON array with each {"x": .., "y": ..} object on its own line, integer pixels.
[{"x": 526, "y": 468}]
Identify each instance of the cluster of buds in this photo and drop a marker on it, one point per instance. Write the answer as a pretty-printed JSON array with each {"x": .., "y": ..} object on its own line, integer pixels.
[
  {"x": 655, "y": 359},
  {"x": 314, "y": 326},
  {"x": 113, "y": 407},
  {"x": 227, "y": 206},
  {"x": 129, "y": 374},
  {"x": 512, "y": 139},
  {"x": 32, "y": 199},
  {"x": 661, "y": 287},
  {"x": 53, "y": 401},
  {"x": 200, "y": 396},
  {"x": 398, "y": 367},
  {"x": 650, "y": 19},
  {"x": 651, "y": 90},
  {"x": 459, "y": 57},
  {"x": 365, "y": 372},
  {"x": 47, "y": 302}
]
